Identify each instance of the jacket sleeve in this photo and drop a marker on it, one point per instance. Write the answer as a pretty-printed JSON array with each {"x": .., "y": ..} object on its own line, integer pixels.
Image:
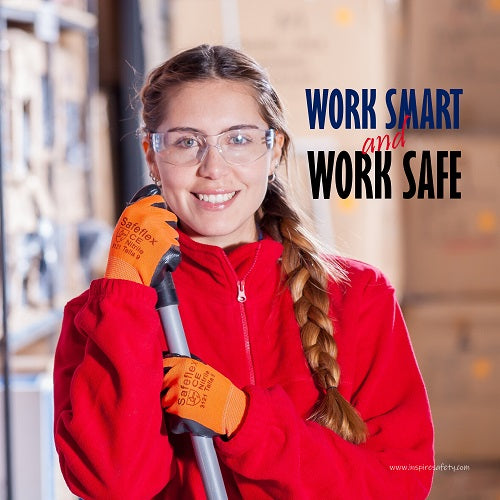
[
  {"x": 279, "y": 454},
  {"x": 107, "y": 381}
]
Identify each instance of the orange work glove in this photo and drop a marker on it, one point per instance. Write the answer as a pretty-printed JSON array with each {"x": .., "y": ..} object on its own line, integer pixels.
[
  {"x": 201, "y": 400},
  {"x": 144, "y": 241}
]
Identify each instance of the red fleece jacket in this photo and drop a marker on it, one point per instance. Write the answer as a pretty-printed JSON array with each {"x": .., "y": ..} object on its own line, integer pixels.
[{"x": 109, "y": 428}]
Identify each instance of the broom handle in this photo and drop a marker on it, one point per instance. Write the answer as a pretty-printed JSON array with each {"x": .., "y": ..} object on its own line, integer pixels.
[
  {"x": 176, "y": 340},
  {"x": 167, "y": 306}
]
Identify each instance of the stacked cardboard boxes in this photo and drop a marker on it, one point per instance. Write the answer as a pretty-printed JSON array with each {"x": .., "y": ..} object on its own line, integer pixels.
[
  {"x": 458, "y": 348},
  {"x": 452, "y": 246},
  {"x": 453, "y": 44}
]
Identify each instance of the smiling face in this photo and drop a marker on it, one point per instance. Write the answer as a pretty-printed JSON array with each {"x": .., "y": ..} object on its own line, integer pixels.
[{"x": 215, "y": 201}]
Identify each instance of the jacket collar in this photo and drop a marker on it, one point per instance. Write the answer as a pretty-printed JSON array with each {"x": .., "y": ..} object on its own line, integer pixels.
[{"x": 251, "y": 261}]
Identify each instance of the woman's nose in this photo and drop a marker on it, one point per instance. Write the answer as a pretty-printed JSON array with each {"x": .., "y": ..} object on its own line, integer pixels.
[{"x": 212, "y": 164}]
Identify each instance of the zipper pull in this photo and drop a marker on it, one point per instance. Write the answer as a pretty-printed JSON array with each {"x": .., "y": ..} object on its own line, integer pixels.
[{"x": 241, "y": 291}]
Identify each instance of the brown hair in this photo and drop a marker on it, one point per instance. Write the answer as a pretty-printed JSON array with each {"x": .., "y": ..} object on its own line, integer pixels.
[{"x": 306, "y": 268}]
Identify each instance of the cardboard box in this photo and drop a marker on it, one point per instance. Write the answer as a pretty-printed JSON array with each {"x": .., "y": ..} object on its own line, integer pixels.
[
  {"x": 70, "y": 79},
  {"x": 28, "y": 210},
  {"x": 101, "y": 175},
  {"x": 192, "y": 22},
  {"x": 457, "y": 345},
  {"x": 70, "y": 191},
  {"x": 70, "y": 171},
  {"x": 24, "y": 136},
  {"x": 454, "y": 44},
  {"x": 69, "y": 278},
  {"x": 452, "y": 246}
]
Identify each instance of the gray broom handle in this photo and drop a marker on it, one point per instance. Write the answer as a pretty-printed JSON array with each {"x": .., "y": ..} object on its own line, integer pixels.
[
  {"x": 203, "y": 446},
  {"x": 167, "y": 306}
]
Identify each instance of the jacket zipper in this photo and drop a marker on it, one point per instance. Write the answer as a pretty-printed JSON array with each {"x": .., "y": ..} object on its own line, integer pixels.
[{"x": 241, "y": 298}]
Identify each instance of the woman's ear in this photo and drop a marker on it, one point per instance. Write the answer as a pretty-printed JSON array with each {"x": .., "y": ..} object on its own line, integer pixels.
[
  {"x": 150, "y": 158},
  {"x": 279, "y": 140}
]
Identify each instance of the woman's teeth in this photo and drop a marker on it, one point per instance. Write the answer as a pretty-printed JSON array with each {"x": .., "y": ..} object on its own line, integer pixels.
[{"x": 216, "y": 198}]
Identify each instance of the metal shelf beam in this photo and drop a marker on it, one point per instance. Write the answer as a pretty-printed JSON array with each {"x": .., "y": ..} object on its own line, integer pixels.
[{"x": 32, "y": 12}]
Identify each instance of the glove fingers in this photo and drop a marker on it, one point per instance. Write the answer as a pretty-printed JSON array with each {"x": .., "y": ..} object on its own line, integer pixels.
[
  {"x": 168, "y": 397},
  {"x": 147, "y": 201},
  {"x": 145, "y": 208},
  {"x": 165, "y": 214},
  {"x": 172, "y": 371},
  {"x": 154, "y": 203},
  {"x": 172, "y": 374}
]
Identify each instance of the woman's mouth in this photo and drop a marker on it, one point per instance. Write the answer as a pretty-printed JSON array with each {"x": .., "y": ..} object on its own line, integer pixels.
[{"x": 215, "y": 198}]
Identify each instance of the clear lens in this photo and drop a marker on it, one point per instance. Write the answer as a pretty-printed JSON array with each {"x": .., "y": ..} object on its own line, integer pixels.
[{"x": 237, "y": 147}]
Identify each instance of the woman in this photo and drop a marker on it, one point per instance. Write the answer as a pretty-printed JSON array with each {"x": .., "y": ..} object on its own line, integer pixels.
[{"x": 308, "y": 380}]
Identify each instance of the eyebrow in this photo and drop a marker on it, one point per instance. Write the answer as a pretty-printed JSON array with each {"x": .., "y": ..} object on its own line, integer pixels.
[{"x": 197, "y": 131}]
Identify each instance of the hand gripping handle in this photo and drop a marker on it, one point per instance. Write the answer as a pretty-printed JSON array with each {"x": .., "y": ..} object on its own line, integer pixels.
[
  {"x": 167, "y": 306},
  {"x": 162, "y": 279}
]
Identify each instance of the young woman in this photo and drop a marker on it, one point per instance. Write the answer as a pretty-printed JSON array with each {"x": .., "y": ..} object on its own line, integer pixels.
[{"x": 308, "y": 379}]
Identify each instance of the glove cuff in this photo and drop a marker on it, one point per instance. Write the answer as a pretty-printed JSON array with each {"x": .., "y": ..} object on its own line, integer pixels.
[
  {"x": 235, "y": 410},
  {"x": 119, "y": 269}
]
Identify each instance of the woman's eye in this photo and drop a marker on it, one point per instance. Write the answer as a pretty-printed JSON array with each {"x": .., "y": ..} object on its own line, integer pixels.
[
  {"x": 187, "y": 142},
  {"x": 238, "y": 139}
]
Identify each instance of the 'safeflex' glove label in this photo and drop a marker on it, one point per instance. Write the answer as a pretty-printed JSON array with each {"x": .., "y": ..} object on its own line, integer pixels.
[
  {"x": 195, "y": 386},
  {"x": 131, "y": 237}
]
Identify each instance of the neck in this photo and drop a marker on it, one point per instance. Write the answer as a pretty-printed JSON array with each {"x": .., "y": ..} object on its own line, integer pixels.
[{"x": 227, "y": 242}]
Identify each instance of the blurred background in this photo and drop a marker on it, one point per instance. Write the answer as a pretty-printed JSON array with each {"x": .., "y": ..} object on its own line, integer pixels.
[{"x": 70, "y": 159}]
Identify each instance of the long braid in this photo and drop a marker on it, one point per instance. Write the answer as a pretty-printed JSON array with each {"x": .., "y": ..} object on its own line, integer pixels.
[{"x": 307, "y": 278}]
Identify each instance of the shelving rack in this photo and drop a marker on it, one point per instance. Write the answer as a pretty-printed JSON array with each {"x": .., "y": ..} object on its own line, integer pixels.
[
  {"x": 46, "y": 21},
  {"x": 33, "y": 11}
]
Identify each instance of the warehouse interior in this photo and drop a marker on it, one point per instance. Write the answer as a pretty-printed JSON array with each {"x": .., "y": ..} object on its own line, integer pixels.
[{"x": 70, "y": 159}]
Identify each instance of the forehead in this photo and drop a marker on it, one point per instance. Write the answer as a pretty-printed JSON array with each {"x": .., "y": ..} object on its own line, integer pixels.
[{"x": 211, "y": 104}]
